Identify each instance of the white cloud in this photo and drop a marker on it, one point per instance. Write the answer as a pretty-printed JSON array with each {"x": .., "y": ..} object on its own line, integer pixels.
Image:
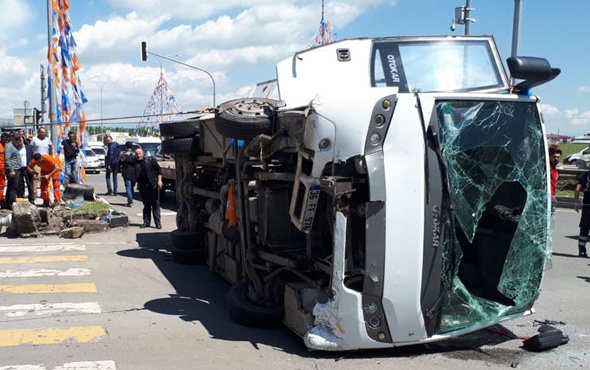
[
  {"x": 571, "y": 113},
  {"x": 549, "y": 110},
  {"x": 107, "y": 40},
  {"x": 584, "y": 89},
  {"x": 576, "y": 118},
  {"x": 201, "y": 9},
  {"x": 14, "y": 16}
]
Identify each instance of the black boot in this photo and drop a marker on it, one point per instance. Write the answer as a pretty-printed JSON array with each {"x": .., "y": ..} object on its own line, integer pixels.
[{"x": 582, "y": 252}]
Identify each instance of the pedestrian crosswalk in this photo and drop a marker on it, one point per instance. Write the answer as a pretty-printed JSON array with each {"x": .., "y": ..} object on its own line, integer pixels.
[{"x": 47, "y": 271}]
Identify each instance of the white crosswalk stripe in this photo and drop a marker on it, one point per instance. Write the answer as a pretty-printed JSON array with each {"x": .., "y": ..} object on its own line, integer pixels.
[
  {"x": 40, "y": 309},
  {"x": 83, "y": 365},
  {"x": 44, "y": 272},
  {"x": 42, "y": 248}
]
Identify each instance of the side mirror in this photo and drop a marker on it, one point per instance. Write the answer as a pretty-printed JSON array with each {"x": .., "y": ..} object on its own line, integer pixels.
[{"x": 534, "y": 71}]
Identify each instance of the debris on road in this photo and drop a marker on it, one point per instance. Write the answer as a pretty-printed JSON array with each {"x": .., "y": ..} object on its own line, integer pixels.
[
  {"x": 548, "y": 337},
  {"x": 72, "y": 232}
]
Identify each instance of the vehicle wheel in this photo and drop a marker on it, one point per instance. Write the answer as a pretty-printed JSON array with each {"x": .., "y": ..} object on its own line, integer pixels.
[
  {"x": 245, "y": 118},
  {"x": 189, "y": 256},
  {"x": 580, "y": 164},
  {"x": 179, "y": 129},
  {"x": 180, "y": 145},
  {"x": 73, "y": 191},
  {"x": 245, "y": 313},
  {"x": 189, "y": 239}
]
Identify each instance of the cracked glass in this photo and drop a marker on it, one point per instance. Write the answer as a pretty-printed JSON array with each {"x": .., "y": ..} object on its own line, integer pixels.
[{"x": 496, "y": 237}]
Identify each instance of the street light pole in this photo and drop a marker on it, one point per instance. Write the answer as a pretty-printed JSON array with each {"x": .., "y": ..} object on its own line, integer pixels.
[
  {"x": 145, "y": 52},
  {"x": 102, "y": 85}
]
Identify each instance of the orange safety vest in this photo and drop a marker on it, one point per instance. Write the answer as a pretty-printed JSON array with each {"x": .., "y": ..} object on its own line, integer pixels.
[{"x": 2, "y": 164}]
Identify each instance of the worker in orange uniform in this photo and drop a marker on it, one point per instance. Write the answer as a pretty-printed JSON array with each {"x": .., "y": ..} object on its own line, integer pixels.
[
  {"x": 3, "y": 141},
  {"x": 49, "y": 171}
]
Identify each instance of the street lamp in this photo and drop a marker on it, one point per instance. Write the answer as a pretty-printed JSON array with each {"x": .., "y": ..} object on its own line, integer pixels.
[
  {"x": 144, "y": 58},
  {"x": 102, "y": 85}
]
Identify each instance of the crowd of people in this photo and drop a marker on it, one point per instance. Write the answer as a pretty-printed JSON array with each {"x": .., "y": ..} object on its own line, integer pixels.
[
  {"x": 24, "y": 162},
  {"x": 136, "y": 169}
]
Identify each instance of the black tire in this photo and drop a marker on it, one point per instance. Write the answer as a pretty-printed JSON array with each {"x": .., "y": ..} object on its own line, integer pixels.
[
  {"x": 179, "y": 129},
  {"x": 189, "y": 257},
  {"x": 73, "y": 191},
  {"x": 180, "y": 145},
  {"x": 580, "y": 164},
  {"x": 188, "y": 240},
  {"x": 247, "y": 314},
  {"x": 246, "y": 118}
]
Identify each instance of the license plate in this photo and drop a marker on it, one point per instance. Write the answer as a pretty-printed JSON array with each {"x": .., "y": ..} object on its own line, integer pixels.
[{"x": 313, "y": 196}]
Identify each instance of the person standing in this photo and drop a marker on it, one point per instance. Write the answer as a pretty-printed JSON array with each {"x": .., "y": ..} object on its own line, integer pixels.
[
  {"x": 149, "y": 183},
  {"x": 41, "y": 143},
  {"x": 26, "y": 153},
  {"x": 3, "y": 142},
  {"x": 49, "y": 172},
  {"x": 13, "y": 165},
  {"x": 71, "y": 151},
  {"x": 554, "y": 158},
  {"x": 129, "y": 169},
  {"x": 583, "y": 186},
  {"x": 112, "y": 164}
]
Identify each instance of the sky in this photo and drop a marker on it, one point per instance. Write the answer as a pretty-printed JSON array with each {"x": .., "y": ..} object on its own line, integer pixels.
[{"x": 239, "y": 42}]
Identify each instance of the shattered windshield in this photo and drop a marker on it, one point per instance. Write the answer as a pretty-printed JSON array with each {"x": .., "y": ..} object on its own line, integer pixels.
[{"x": 496, "y": 235}]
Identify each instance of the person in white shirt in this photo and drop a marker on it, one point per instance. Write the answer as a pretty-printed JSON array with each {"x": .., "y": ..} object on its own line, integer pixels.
[{"x": 42, "y": 145}]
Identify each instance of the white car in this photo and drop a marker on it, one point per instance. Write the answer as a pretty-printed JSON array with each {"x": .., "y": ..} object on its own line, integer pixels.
[
  {"x": 90, "y": 162},
  {"x": 100, "y": 154}
]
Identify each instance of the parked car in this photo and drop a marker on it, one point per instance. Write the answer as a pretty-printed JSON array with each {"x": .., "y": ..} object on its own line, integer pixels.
[
  {"x": 90, "y": 162},
  {"x": 100, "y": 154},
  {"x": 579, "y": 159}
]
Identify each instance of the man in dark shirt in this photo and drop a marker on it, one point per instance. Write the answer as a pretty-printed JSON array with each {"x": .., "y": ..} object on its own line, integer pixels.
[
  {"x": 129, "y": 170},
  {"x": 71, "y": 151},
  {"x": 149, "y": 183},
  {"x": 112, "y": 164},
  {"x": 584, "y": 186}
]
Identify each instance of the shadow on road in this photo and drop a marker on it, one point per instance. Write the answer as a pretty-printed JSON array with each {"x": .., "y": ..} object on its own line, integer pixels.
[
  {"x": 585, "y": 278},
  {"x": 201, "y": 296},
  {"x": 565, "y": 255}
]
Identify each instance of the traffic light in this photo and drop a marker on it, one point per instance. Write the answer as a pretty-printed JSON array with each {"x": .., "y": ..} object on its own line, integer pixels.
[
  {"x": 37, "y": 116},
  {"x": 144, "y": 51}
]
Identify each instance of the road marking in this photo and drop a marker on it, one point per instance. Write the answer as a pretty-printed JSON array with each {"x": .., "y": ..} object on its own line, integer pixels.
[
  {"x": 49, "y": 288},
  {"x": 84, "y": 365},
  {"x": 39, "y": 309},
  {"x": 44, "y": 272},
  {"x": 42, "y": 259},
  {"x": 78, "y": 334},
  {"x": 161, "y": 214},
  {"x": 43, "y": 248}
]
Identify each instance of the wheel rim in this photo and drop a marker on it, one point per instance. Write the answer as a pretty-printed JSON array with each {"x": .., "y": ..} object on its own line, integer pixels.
[{"x": 249, "y": 108}]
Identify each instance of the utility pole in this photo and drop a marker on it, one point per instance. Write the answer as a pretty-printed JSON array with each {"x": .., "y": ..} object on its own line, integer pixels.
[
  {"x": 516, "y": 27},
  {"x": 462, "y": 17},
  {"x": 40, "y": 119},
  {"x": 52, "y": 116},
  {"x": 516, "y": 31}
]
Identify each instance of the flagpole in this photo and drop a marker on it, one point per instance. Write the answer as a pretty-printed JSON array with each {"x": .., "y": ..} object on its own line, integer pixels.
[{"x": 51, "y": 79}]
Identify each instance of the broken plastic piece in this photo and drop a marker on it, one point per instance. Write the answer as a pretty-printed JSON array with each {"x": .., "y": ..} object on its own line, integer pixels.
[{"x": 548, "y": 337}]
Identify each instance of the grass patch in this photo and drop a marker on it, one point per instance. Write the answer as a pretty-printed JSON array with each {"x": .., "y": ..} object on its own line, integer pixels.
[
  {"x": 94, "y": 209},
  {"x": 564, "y": 193}
]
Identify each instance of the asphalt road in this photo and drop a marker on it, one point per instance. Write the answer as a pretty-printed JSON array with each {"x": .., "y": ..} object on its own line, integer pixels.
[{"x": 116, "y": 300}]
